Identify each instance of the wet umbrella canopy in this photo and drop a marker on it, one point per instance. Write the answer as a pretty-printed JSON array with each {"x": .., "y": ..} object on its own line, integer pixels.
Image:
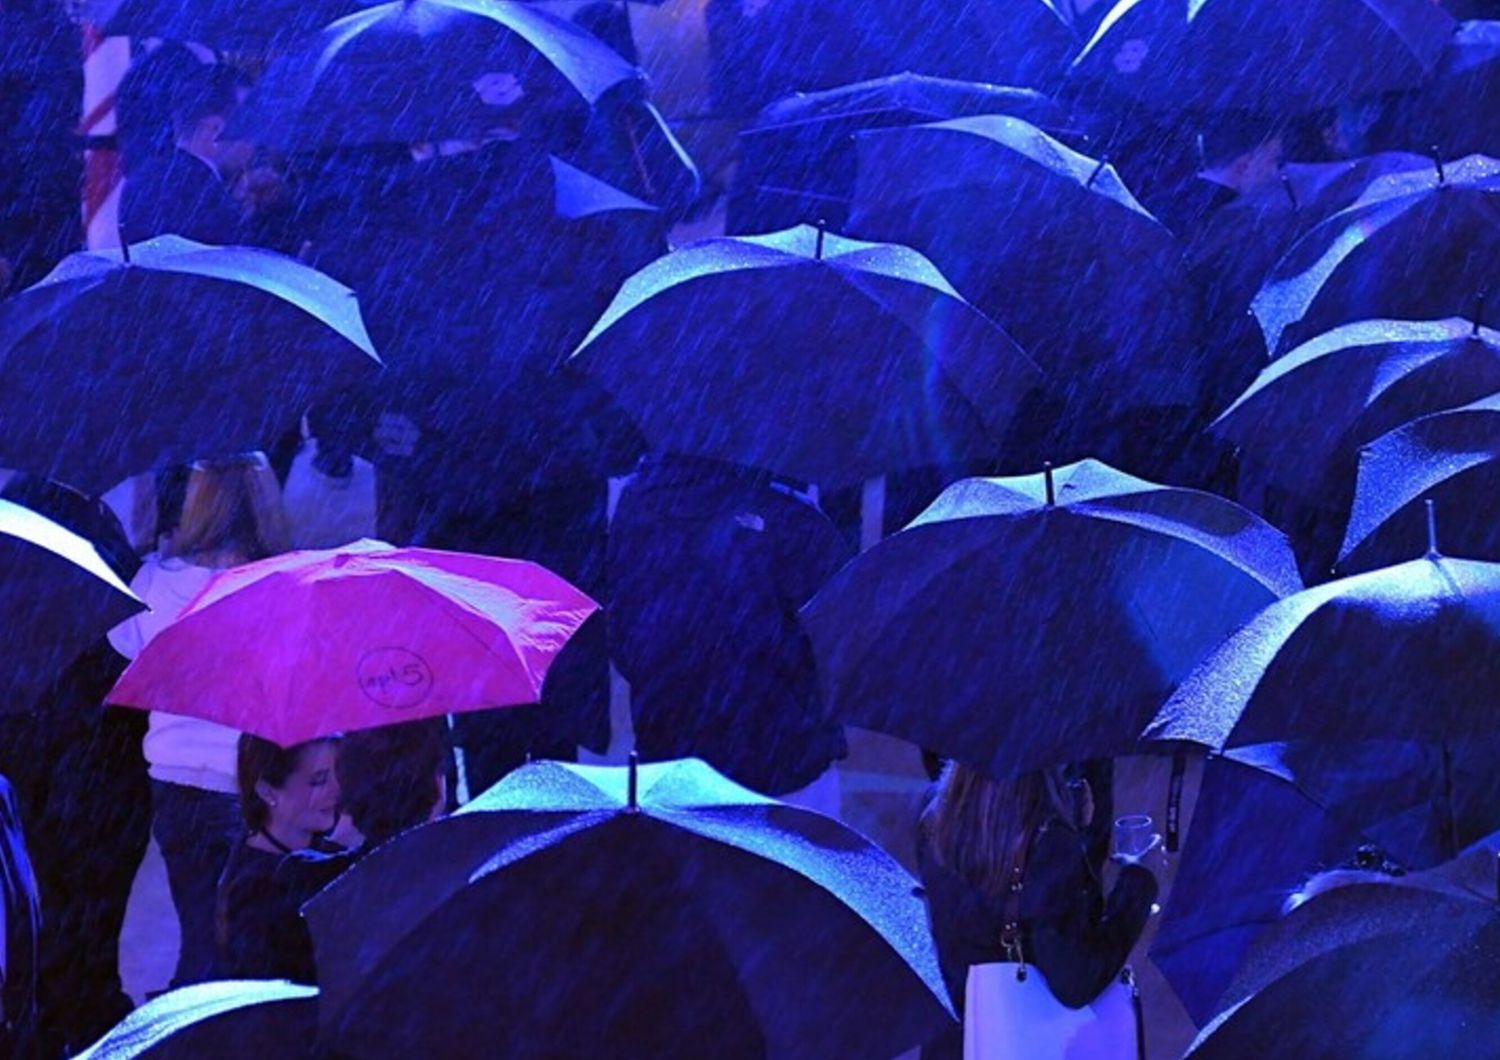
[
  {"x": 1447, "y": 459},
  {"x": 1402, "y": 969},
  {"x": 825, "y": 359},
  {"x": 232, "y": 1020},
  {"x": 1052, "y": 245},
  {"x": 413, "y": 71},
  {"x": 1419, "y": 245},
  {"x": 1025, "y": 622},
  {"x": 58, "y": 595},
  {"x": 1270, "y": 815},
  {"x": 1405, "y": 652},
  {"x": 223, "y": 24},
  {"x": 1311, "y": 410},
  {"x": 127, "y": 346},
  {"x": 314, "y": 643},
  {"x": 646, "y": 912},
  {"x": 1261, "y": 55}
]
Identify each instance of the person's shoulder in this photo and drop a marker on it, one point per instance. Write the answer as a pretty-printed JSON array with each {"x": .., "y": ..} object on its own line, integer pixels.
[{"x": 309, "y": 871}]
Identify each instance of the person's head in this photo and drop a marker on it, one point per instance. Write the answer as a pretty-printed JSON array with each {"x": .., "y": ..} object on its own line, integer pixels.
[
  {"x": 170, "y": 97},
  {"x": 1370, "y": 864},
  {"x": 394, "y": 778},
  {"x": 977, "y": 825},
  {"x": 1242, "y": 151},
  {"x": 290, "y": 794},
  {"x": 231, "y": 513}
]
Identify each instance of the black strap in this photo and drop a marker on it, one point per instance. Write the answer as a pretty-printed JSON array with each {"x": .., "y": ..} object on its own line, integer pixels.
[
  {"x": 1010, "y": 931},
  {"x": 1174, "y": 800},
  {"x": 1127, "y": 976},
  {"x": 278, "y": 844}
]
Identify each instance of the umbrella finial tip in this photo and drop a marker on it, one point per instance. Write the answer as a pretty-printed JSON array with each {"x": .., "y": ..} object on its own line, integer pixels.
[
  {"x": 633, "y": 803},
  {"x": 1047, "y": 480},
  {"x": 1432, "y": 545}
]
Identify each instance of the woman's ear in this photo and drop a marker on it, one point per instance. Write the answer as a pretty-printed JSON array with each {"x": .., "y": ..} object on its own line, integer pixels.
[{"x": 265, "y": 792}]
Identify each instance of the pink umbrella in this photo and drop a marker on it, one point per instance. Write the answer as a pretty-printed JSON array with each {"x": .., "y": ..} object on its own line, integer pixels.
[{"x": 312, "y": 643}]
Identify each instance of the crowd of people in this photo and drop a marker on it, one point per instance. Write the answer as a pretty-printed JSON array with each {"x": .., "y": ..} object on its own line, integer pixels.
[{"x": 457, "y": 248}]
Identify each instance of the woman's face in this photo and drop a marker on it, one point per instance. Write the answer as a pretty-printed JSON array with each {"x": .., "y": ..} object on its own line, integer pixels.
[{"x": 308, "y": 800}]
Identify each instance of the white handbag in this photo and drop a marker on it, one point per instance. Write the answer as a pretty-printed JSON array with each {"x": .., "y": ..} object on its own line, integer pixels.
[
  {"x": 1013, "y": 1016},
  {"x": 1010, "y": 1012}
]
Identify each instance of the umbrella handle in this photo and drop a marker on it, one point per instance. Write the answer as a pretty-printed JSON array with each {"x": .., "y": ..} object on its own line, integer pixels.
[{"x": 632, "y": 786}]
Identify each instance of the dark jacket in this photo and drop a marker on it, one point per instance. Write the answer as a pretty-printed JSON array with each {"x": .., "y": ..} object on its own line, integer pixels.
[
  {"x": 41, "y": 156},
  {"x": 178, "y": 193},
  {"x": 708, "y": 565},
  {"x": 1070, "y": 930},
  {"x": 261, "y": 933},
  {"x": 19, "y": 926}
]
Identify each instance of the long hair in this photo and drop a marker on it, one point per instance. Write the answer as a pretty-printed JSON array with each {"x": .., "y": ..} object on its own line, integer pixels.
[
  {"x": 978, "y": 827},
  {"x": 231, "y": 506}
]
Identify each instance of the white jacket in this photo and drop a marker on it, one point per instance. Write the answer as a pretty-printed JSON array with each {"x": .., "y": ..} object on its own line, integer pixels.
[{"x": 179, "y": 750}]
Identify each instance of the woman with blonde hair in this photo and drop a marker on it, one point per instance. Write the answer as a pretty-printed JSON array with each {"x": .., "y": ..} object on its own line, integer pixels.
[
  {"x": 992, "y": 850},
  {"x": 231, "y": 514}
]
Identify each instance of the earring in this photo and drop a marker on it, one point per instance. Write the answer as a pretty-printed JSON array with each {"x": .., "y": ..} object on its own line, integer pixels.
[{"x": 271, "y": 803}]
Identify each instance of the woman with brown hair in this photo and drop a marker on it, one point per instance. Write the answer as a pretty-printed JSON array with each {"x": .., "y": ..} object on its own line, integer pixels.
[
  {"x": 231, "y": 514},
  {"x": 289, "y": 798},
  {"x": 978, "y": 839}
]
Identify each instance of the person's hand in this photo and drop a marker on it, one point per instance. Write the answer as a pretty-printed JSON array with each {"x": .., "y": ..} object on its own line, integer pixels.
[{"x": 1137, "y": 859}]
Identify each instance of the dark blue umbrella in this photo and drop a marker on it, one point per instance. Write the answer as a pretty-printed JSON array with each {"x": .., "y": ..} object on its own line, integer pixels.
[
  {"x": 663, "y": 912},
  {"x": 798, "y": 160},
  {"x": 412, "y": 71},
  {"x": 221, "y": 24},
  {"x": 1401, "y": 969},
  {"x": 232, "y": 1019},
  {"x": 1052, "y": 245},
  {"x": 1269, "y": 816},
  {"x": 1268, "y": 55},
  {"x": 1419, "y": 245},
  {"x": 1410, "y": 652},
  {"x": 825, "y": 359},
  {"x": 1299, "y": 427},
  {"x": 1457, "y": 110},
  {"x": 1309, "y": 412},
  {"x": 1448, "y": 458},
  {"x": 120, "y": 362},
  {"x": 1229, "y": 266},
  {"x": 58, "y": 594},
  {"x": 1024, "y": 622}
]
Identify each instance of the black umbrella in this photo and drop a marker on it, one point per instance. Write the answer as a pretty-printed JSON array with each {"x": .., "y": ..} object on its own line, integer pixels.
[
  {"x": 1419, "y": 245},
  {"x": 58, "y": 595},
  {"x": 414, "y": 71},
  {"x": 797, "y": 159},
  {"x": 1401, "y": 969},
  {"x": 1052, "y": 245},
  {"x": 1457, "y": 110},
  {"x": 1299, "y": 427},
  {"x": 591, "y": 911},
  {"x": 1232, "y": 248},
  {"x": 1410, "y": 652},
  {"x": 1023, "y": 622},
  {"x": 1450, "y": 459},
  {"x": 1269, "y": 816},
  {"x": 825, "y": 359},
  {"x": 232, "y": 1020},
  {"x": 1309, "y": 412},
  {"x": 1268, "y": 56},
  {"x": 221, "y": 24},
  {"x": 121, "y": 362}
]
